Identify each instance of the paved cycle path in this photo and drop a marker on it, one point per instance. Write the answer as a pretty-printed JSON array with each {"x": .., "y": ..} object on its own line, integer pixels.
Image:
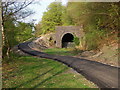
[{"x": 105, "y": 76}]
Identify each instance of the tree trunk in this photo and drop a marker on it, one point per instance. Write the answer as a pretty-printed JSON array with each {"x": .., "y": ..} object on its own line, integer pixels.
[
  {"x": 0, "y": 45},
  {"x": 1, "y": 29}
]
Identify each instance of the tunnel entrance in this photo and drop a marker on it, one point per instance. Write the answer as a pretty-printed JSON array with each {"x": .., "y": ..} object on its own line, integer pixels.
[{"x": 67, "y": 40}]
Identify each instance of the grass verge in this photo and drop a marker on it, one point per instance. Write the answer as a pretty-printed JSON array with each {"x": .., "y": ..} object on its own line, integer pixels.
[
  {"x": 33, "y": 72},
  {"x": 63, "y": 51}
]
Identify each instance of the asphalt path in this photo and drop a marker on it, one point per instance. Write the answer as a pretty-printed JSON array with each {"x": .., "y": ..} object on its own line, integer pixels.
[{"x": 105, "y": 76}]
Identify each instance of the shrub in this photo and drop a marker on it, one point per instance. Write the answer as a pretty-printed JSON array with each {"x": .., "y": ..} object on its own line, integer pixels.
[
  {"x": 93, "y": 39},
  {"x": 76, "y": 40}
]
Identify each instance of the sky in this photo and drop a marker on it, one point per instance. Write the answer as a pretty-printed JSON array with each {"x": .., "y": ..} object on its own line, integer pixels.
[{"x": 39, "y": 8}]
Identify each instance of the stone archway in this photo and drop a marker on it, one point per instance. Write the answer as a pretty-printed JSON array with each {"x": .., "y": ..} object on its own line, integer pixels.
[
  {"x": 67, "y": 39},
  {"x": 62, "y": 31}
]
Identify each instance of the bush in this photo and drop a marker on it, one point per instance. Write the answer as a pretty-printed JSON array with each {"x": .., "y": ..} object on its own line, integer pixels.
[
  {"x": 76, "y": 40},
  {"x": 93, "y": 39},
  {"x": 12, "y": 57}
]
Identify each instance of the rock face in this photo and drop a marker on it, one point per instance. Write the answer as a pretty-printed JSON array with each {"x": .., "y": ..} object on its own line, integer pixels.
[
  {"x": 46, "y": 40},
  {"x": 107, "y": 55},
  {"x": 88, "y": 53},
  {"x": 110, "y": 54}
]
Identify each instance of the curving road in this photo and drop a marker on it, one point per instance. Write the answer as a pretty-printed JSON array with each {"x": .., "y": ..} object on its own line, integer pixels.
[{"x": 104, "y": 76}]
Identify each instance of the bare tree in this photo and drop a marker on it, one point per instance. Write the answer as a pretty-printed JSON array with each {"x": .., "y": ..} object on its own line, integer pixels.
[{"x": 13, "y": 11}]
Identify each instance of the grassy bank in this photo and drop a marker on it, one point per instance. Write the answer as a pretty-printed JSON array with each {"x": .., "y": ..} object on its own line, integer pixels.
[
  {"x": 62, "y": 51},
  {"x": 107, "y": 54},
  {"x": 32, "y": 72}
]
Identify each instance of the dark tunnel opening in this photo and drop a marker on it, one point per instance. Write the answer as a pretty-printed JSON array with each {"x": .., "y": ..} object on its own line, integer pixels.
[{"x": 67, "y": 40}]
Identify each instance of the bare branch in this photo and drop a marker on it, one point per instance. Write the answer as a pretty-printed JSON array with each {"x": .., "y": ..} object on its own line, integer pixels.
[
  {"x": 22, "y": 6},
  {"x": 14, "y": 9}
]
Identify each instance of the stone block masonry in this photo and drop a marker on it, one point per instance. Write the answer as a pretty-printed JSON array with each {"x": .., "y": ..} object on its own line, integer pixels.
[{"x": 61, "y": 31}]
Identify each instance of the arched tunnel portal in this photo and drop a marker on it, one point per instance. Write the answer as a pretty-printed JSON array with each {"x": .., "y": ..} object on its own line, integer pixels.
[
  {"x": 65, "y": 34},
  {"x": 67, "y": 39}
]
